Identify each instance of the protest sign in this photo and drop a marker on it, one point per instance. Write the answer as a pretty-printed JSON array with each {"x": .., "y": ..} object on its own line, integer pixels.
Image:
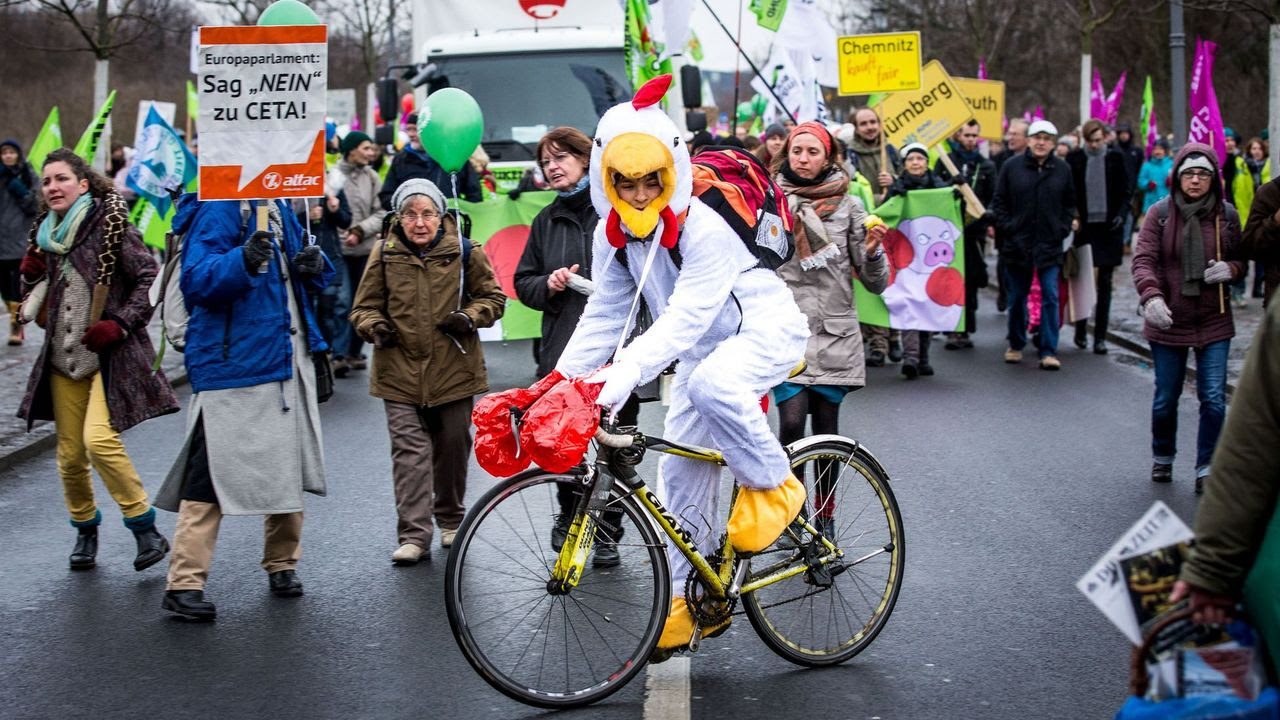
[
  {"x": 161, "y": 164},
  {"x": 262, "y": 108},
  {"x": 925, "y": 249},
  {"x": 986, "y": 99},
  {"x": 928, "y": 115},
  {"x": 501, "y": 225},
  {"x": 883, "y": 62},
  {"x": 167, "y": 110},
  {"x": 1105, "y": 584}
]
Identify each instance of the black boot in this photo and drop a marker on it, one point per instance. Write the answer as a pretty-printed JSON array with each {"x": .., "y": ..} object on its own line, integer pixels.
[
  {"x": 84, "y": 554},
  {"x": 284, "y": 583},
  {"x": 1081, "y": 338},
  {"x": 151, "y": 548},
  {"x": 189, "y": 605}
]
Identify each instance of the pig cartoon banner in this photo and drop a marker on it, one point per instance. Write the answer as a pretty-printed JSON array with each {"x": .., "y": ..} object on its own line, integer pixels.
[{"x": 925, "y": 249}]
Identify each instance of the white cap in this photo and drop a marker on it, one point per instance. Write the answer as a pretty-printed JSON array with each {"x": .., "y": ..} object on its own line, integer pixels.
[
  {"x": 1042, "y": 126},
  {"x": 915, "y": 147},
  {"x": 1195, "y": 160}
]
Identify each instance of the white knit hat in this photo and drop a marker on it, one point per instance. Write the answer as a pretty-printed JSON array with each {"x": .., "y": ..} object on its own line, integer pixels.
[
  {"x": 1195, "y": 160},
  {"x": 1042, "y": 126},
  {"x": 417, "y": 186},
  {"x": 915, "y": 147}
]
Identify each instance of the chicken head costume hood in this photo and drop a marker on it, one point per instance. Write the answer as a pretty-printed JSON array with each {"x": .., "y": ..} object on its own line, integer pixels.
[{"x": 632, "y": 140}]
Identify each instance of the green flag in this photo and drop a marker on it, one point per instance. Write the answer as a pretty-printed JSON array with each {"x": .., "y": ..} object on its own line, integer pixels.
[
  {"x": 875, "y": 99},
  {"x": 49, "y": 139},
  {"x": 1148, "y": 103},
  {"x": 150, "y": 223},
  {"x": 925, "y": 249},
  {"x": 88, "y": 143},
  {"x": 644, "y": 56},
  {"x": 501, "y": 225},
  {"x": 193, "y": 102},
  {"x": 769, "y": 13}
]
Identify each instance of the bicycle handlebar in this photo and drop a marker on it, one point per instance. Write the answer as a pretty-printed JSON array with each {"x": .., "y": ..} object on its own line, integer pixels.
[{"x": 614, "y": 441}]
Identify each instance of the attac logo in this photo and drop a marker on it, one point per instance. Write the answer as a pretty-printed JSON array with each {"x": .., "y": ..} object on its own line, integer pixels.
[
  {"x": 273, "y": 181},
  {"x": 541, "y": 9}
]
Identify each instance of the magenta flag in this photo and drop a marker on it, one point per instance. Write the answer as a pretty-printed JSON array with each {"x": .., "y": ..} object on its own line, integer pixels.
[
  {"x": 982, "y": 68},
  {"x": 1206, "y": 120},
  {"x": 1097, "y": 97},
  {"x": 355, "y": 123},
  {"x": 1039, "y": 113},
  {"x": 1113, "y": 101},
  {"x": 1153, "y": 134}
]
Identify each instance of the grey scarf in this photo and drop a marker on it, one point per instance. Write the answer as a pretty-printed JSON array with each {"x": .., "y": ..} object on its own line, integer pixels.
[
  {"x": 1193, "y": 262},
  {"x": 1095, "y": 185}
]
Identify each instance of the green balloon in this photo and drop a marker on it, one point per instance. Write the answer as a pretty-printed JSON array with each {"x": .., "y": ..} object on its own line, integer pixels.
[
  {"x": 288, "y": 12},
  {"x": 744, "y": 111},
  {"x": 450, "y": 126}
]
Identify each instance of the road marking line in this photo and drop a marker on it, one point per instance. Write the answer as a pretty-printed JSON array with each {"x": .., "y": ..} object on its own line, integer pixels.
[{"x": 666, "y": 689}]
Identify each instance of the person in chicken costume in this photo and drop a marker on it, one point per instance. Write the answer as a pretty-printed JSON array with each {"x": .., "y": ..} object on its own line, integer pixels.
[{"x": 732, "y": 325}]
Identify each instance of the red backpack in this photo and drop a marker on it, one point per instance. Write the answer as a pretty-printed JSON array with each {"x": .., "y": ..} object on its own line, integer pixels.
[{"x": 737, "y": 186}]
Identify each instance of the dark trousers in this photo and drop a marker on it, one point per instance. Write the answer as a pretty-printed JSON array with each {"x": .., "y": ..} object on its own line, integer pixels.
[
  {"x": 1102, "y": 310},
  {"x": 567, "y": 495},
  {"x": 430, "y": 449}
]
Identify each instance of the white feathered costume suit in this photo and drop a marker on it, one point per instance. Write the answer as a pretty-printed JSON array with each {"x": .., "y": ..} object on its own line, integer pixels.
[{"x": 734, "y": 327}]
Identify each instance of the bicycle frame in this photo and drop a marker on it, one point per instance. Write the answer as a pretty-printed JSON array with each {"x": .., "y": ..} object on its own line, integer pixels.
[{"x": 617, "y": 462}]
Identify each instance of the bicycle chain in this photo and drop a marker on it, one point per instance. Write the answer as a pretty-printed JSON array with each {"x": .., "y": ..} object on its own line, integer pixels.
[{"x": 706, "y": 611}]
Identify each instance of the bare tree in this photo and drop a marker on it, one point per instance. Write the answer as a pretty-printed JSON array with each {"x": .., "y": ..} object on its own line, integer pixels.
[
  {"x": 104, "y": 27},
  {"x": 240, "y": 12}
]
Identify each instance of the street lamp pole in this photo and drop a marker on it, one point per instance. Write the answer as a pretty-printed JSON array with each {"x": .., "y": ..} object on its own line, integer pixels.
[{"x": 1178, "y": 71}]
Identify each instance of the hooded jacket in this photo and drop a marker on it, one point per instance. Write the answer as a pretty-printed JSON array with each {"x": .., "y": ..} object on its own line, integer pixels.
[
  {"x": 240, "y": 327},
  {"x": 1033, "y": 207},
  {"x": 18, "y": 187},
  {"x": 1157, "y": 265},
  {"x": 1262, "y": 234}
]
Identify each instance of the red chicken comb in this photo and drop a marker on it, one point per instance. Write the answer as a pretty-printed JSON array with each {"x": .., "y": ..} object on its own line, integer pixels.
[{"x": 651, "y": 92}]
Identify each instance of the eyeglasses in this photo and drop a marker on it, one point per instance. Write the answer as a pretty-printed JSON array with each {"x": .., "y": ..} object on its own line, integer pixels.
[
  {"x": 1197, "y": 174},
  {"x": 413, "y": 218},
  {"x": 556, "y": 157}
]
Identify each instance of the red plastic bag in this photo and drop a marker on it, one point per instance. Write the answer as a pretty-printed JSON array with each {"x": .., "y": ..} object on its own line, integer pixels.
[
  {"x": 558, "y": 428},
  {"x": 497, "y": 442}
]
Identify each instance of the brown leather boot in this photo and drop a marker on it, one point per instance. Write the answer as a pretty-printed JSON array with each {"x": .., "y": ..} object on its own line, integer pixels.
[{"x": 16, "y": 335}]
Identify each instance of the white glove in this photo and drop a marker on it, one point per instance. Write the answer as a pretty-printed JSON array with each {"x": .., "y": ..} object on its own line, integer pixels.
[
  {"x": 1217, "y": 272},
  {"x": 619, "y": 380},
  {"x": 1157, "y": 314}
]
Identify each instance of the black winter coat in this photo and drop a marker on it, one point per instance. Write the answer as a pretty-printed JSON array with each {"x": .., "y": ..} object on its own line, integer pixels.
[
  {"x": 1033, "y": 207},
  {"x": 559, "y": 237},
  {"x": 1106, "y": 239},
  {"x": 18, "y": 188},
  {"x": 410, "y": 163}
]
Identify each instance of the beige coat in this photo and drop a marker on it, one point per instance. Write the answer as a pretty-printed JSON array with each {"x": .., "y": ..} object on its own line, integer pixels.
[
  {"x": 361, "y": 185},
  {"x": 426, "y": 367},
  {"x": 825, "y": 295}
]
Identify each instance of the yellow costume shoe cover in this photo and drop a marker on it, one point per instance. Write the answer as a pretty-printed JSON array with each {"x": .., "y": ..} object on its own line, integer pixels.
[
  {"x": 679, "y": 628},
  {"x": 760, "y": 516}
]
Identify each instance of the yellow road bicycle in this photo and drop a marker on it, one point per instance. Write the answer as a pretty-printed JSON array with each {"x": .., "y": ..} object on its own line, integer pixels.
[{"x": 553, "y": 629}]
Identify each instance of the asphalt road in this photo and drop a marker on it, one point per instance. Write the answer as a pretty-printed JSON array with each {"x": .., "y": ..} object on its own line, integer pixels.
[{"x": 1012, "y": 481}]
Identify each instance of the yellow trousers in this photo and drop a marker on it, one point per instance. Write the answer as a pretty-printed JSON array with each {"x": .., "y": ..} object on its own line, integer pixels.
[{"x": 85, "y": 437}]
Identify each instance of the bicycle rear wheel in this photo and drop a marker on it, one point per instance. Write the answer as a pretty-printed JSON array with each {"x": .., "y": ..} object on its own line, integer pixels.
[
  {"x": 544, "y": 649},
  {"x": 826, "y": 616}
]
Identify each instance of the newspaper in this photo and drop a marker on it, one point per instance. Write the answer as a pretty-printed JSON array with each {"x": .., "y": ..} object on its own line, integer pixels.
[{"x": 1105, "y": 584}]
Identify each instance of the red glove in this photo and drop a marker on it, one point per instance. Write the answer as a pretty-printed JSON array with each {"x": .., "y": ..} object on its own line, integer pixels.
[
  {"x": 1151, "y": 185},
  {"x": 102, "y": 335},
  {"x": 32, "y": 266}
]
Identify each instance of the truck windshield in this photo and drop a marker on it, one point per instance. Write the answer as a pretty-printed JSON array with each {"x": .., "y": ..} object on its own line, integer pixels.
[{"x": 524, "y": 95}]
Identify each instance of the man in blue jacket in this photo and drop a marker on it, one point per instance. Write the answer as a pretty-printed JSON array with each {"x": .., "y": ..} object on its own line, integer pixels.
[{"x": 253, "y": 443}]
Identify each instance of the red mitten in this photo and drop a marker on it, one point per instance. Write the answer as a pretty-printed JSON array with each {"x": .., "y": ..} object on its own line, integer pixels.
[
  {"x": 558, "y": 427},
  {"x": 945, "y": 287},
  {"x": 1151, "y": 185},
  {"x": 32, "y": 266},
  {"x": 497, "y": 445},
  {"x": 102, "y": 335}
]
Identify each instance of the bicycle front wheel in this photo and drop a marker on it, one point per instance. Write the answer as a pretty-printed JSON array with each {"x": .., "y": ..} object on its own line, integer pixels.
[
  {"x": 541, "y": 648},
  {"x": 830, "y": 613}
]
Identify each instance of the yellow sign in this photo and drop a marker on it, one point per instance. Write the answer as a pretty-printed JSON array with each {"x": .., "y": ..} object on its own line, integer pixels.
[
  {"x": 884, "y": 62},
  {"x": 986, "y": 97},
  {"x": 928, "y": 115}
]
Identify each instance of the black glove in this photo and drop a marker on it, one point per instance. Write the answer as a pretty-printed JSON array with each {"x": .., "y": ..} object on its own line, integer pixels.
[
  {"x": 384, "y": 336},
  {"x": 309, "y": 261},
  {"x": 17, "y": 188},
  {"x": 457, "y": 323},
  {"x": 257, "y": 250}
]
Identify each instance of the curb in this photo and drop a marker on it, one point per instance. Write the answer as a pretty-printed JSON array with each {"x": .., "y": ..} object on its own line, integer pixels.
[{"x": 44, "y": 437}]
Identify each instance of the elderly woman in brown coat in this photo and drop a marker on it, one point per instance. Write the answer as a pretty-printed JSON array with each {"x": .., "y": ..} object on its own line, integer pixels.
[
  {"x": 423, "y": 296},
  {"x": 93, "y": 376},
  {"x": 1188, "y": 251}
]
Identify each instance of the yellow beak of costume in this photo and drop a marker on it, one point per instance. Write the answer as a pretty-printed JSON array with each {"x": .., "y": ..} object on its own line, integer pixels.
[{"x": 634, "y": 155}]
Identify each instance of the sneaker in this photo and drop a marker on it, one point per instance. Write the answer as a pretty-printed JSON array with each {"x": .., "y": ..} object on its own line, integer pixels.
[
  {"x": 606, "y": 556},
  {"x": 409, "y": 554},
  {"x": 1013, "y": 357},
  {"x": 926, "y": 370},
  {"x": 1161, "y": 473},
  {"x": 1050, "y": 362},
  {"x": 909, "y": 370},
  {"x": 446, "y": 537},
  {"x": 875, "y": 358},
  {"x": 895, "y": 351},
  {"x": 560, "y": 531},
  {"x": 1099, "y": 347}
]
